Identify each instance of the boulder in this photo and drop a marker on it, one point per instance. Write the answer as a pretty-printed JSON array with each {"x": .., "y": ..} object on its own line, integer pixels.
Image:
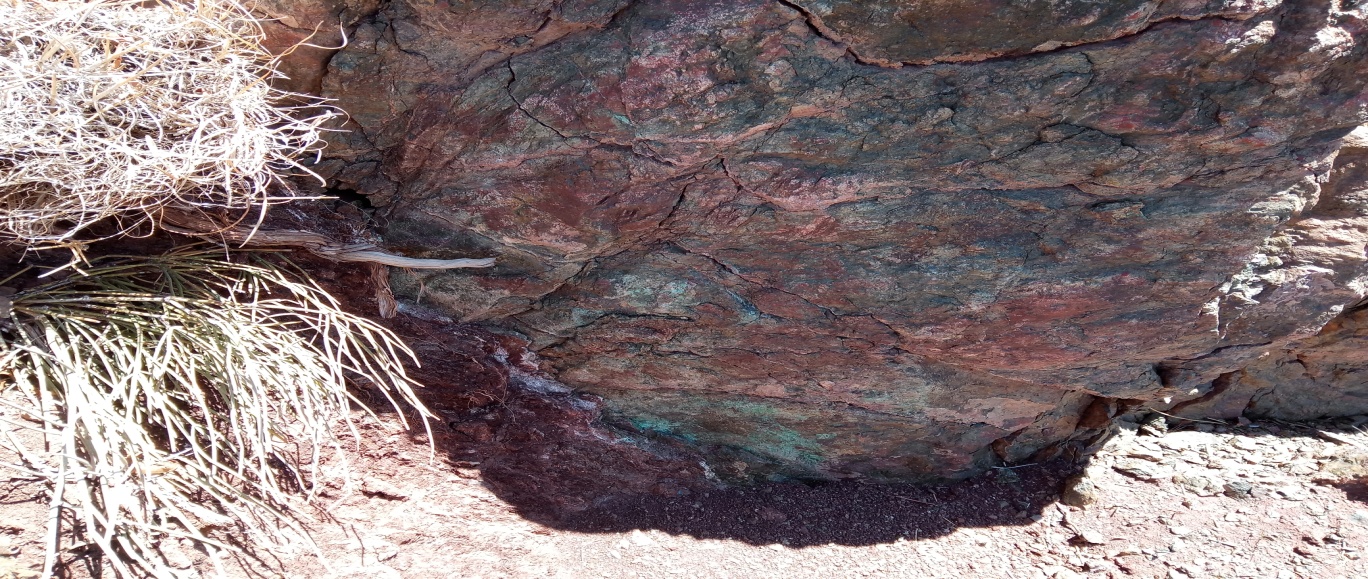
[{"x": 885, "y": 239}]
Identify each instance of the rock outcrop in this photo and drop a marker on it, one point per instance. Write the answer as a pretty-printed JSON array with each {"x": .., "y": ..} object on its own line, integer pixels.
[{"x": 881, "y": 239}]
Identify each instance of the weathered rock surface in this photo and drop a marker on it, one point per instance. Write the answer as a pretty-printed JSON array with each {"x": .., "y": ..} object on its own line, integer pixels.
[{"x": 879, "y": 239}]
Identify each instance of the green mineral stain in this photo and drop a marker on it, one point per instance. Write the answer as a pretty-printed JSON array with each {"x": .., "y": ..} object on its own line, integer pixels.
[
  {"x": 635, "y": 290},
  {"x": 582, "y": 316},
  {"x": 650, "y": 295},
  {"x": 770, "y": 436},
  {"x": 658, "y": 425},
  {"x": 755, "y": 409},
  {"x": 677, "y": 289},
  {"x": 777, "y": 431}
]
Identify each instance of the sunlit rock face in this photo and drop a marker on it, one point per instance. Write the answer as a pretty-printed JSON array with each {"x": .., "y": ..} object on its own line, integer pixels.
[{"x": 883, "y": 239}]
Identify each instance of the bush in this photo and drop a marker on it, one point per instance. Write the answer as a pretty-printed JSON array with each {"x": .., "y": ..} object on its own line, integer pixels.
[
  {"x": 180, "y": 395},
  {"x": 177, "y": 391},
  {"x": 118, "y": 109}
]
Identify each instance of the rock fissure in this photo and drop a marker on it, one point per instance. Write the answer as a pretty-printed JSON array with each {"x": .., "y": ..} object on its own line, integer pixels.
[
  {"x": 513, "y": 78},
  {"x": 934, "y": 53}
]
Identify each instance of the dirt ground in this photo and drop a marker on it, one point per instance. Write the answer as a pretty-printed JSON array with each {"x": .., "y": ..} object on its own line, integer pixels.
[{"x": 1264, "y": 499}]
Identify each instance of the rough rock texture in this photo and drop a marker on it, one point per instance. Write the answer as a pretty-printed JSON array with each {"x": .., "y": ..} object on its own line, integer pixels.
[
  {"x": 1307, "y": 376},
  {"x": 879, "y": 239},
  {"x": 308, "y": 34}
]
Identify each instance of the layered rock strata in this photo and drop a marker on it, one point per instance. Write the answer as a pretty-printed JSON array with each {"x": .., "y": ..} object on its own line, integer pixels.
[{"x": 893, "y": 240}]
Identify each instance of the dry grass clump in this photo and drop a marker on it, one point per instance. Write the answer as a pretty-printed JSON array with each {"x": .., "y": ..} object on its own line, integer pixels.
[
  {"x": 185, "y": 396},
  {"x": 119, "y": 108}
]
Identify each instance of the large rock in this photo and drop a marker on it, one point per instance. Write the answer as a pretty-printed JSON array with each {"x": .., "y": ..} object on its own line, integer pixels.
[
  {"x": 1310, "y": 272},
  {"x": 881, "y": 239}
]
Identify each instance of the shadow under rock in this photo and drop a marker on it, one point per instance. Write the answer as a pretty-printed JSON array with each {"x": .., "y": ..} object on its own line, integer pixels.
[
  {"x": 844, "y": 513},
  {"x": 541, "y": 449},
  {"x": 1354, "y": 489}
]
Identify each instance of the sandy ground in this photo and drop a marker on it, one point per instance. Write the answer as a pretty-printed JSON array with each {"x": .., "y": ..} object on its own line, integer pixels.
[{"x": 1267, "y": 499}]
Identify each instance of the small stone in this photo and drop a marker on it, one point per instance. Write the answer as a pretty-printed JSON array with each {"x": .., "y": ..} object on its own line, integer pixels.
[
  {"x": 1180, "y": 531},
  {"x": 1293, "y": 493},
  {"x": 1359, "y": 516},
  {"x": 1185, "y": 439},
  {"x": 1123, "y": 552},
  {"x": 1137, "y": 469},
  {"x": 1079, "y": 491},
  {"x": 1197, "y": 484},
  {"x": 1146, "y": 454},
  {"x": 1155, "y": 425},
  {"x": 383, "y": 490},
  {"x": 1088, "y": 537},
  {"x": 1239, "y": 489}
]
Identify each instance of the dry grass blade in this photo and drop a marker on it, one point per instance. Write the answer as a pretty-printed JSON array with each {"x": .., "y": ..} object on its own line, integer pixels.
[
  {"x": 116, "y": 109},
  {"x": 180, "y": 389}
]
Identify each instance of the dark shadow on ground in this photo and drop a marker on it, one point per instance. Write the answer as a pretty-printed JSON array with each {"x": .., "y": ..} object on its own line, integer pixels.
[
  {"x": 844, "y": 513},
  {"x": 541, "y": 449},
  {"x": 1354, "y": 489}
]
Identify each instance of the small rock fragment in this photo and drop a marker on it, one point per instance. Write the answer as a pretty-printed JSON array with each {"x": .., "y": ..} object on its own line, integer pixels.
[
  {"x": 1079, "y": 491},
  {"x": 1155, "y": 425},
  {"x": 1089, "y": 537},
  {"x": 383, "y": 490},
  {"x": 1137, "y": 469},
  {"x": 1293, "y": 493},
  {"x": 1359, "y": 516},
  {"x": 1239, "y": 489}
]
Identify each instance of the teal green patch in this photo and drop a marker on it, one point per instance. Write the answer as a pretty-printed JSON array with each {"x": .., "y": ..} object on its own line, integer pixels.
[
  {"x": 582, "y": 316},
  {"x": 677, "y": 289},
  {"x": 771, "y": 436},
  {"x": 657, "y": 425}
]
